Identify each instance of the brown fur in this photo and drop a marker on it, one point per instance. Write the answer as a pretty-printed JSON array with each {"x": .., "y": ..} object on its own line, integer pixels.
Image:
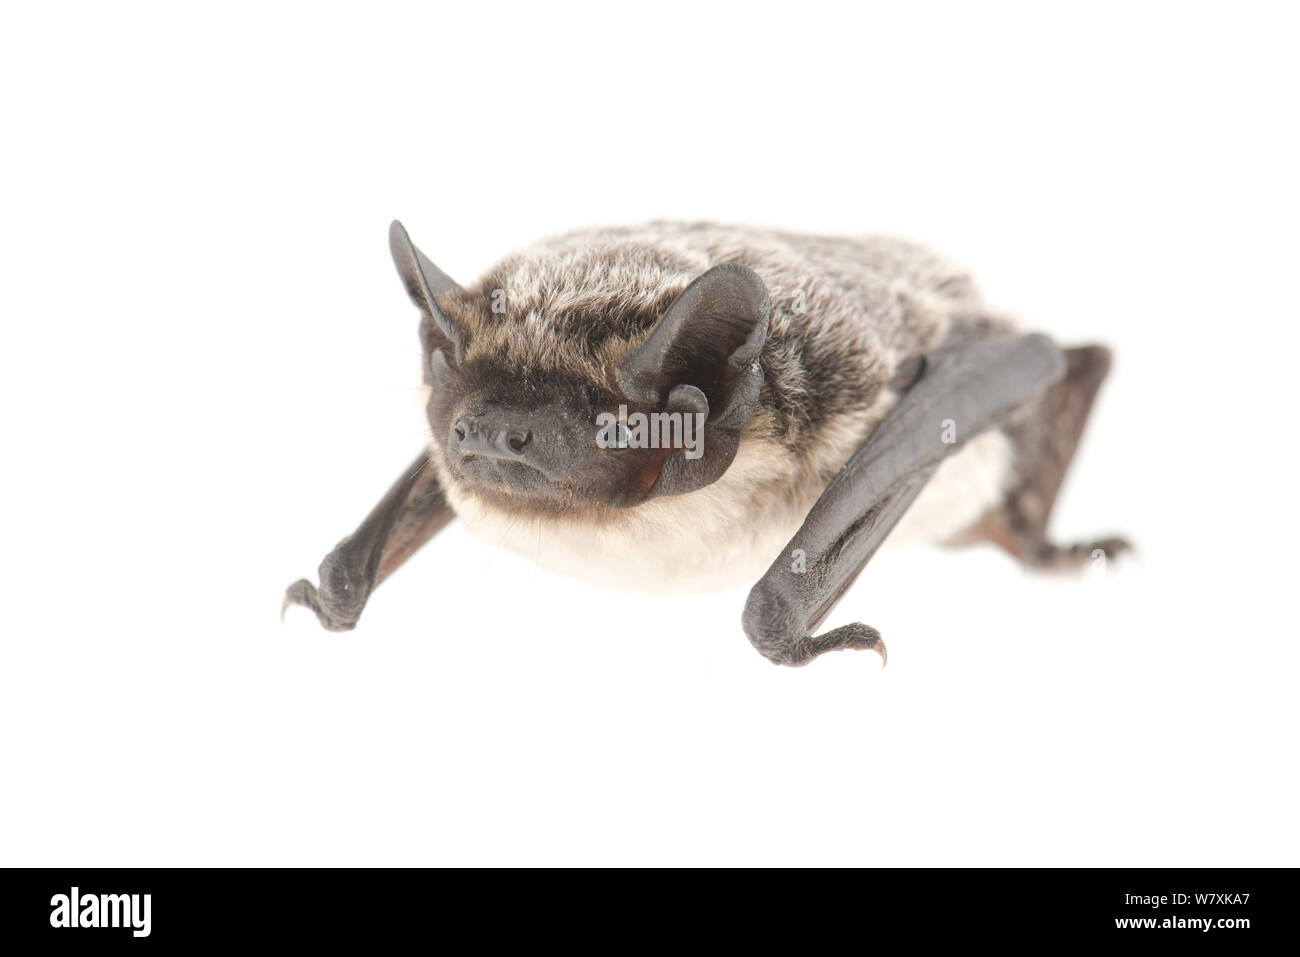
[{"x": 580, "y": 302}]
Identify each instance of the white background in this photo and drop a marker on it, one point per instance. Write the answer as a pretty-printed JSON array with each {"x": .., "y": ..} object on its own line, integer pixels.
[{"x": 208, "y": 373}]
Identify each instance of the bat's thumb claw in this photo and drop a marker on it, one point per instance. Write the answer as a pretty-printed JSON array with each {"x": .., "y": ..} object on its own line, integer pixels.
[
  {"x": 861, "y": 637},
  {"x": 857, "y": 636},
  {"x": 868, "y": 639},
  {"x": 301, "y": 592}
]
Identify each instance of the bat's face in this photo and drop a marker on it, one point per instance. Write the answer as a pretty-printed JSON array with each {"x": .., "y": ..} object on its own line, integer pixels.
[
  {"x": 535, "y": 443},
  {"x": 638, "y": 414}
]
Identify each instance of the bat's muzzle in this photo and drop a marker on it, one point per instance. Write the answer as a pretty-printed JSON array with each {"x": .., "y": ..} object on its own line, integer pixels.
[{"x": 470, "y": 436}]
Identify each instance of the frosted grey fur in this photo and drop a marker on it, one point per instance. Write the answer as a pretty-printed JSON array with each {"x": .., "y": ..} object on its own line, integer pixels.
[{"x": 845, "y": 311}]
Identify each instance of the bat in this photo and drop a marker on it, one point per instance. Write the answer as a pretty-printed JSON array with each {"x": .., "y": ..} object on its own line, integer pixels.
[{"x": 687, "y": 405}]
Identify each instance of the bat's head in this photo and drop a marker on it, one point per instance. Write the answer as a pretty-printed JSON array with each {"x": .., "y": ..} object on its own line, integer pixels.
[{"x": 559, "y": 396}]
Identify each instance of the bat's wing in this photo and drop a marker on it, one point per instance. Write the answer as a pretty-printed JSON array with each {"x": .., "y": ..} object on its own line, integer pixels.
[
  {"x": 974, "y": 384},
  {"x": 412, "y": 512}
]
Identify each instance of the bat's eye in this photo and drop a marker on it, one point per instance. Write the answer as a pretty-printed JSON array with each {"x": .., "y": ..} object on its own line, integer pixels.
[{"x": 613, "y": 438}]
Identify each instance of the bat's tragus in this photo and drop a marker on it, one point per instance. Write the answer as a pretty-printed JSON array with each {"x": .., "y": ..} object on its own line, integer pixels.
[{"x": 875, "y": 391}]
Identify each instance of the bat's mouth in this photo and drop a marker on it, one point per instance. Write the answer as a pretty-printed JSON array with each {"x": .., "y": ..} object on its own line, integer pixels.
[
  {"x": 514, "y": 483},
  {"x": 492, "y": 471}
]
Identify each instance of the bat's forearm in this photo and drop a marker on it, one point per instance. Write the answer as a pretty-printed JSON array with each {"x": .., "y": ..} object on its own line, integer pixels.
[
  {"x": 973, "y": 386},
  {"x": 413, "y": 511}
]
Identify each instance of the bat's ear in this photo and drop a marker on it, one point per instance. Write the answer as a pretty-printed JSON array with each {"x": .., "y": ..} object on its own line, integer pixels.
[
  {"x": 702, "y": 356},
  {"x": 709, "y": 338},
  {"x": 424, "y": 282}
]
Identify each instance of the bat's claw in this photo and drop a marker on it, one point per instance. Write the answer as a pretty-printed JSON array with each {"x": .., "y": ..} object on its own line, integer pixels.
[
  {"x": 301, "y": 592},
  {"x": 856, "y": 636}
]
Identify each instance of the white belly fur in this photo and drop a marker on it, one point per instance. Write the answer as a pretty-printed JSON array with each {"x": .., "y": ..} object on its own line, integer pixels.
[
  {"x": 962, "y": 490},
  {"x": 713, "y": 538},
  {"x": 708, "y": 539}
]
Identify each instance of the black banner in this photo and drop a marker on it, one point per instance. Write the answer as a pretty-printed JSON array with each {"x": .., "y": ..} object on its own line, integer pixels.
[{"x": 170, "y": 907}]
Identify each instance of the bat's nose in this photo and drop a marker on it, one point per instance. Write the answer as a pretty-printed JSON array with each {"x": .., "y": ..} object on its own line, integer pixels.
[{"x": 495, "y": 440}]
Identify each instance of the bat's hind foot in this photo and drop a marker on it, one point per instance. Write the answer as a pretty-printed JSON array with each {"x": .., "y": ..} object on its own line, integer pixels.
[
  {"x": 1042, "y": 554},
  {"x": 1050, "y": 556},
  {"x": 1046, "y": 435}
]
